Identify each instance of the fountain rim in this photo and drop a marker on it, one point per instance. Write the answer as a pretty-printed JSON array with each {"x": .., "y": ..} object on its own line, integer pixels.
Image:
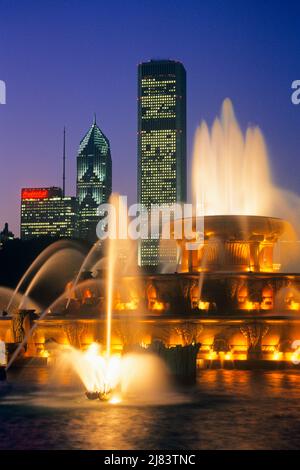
[{"x": 231, "y": 224}]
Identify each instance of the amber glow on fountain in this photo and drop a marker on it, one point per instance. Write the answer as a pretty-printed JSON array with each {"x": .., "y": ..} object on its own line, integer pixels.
[
  {"x": 106, "y": 375},
  {"x": 230, "y": 169},
  {"x": 234, "y": 277},
  {"x": 132, "y": 376},
  {"x": 243, "y": 226},
  {"x": 118, "y": 253},
  {"x": 100, "y": 373},
  {"x": 110, "y": 280}
]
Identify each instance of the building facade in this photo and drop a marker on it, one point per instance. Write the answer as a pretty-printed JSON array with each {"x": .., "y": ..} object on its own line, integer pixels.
[
  {"x": 94, "y": 179},
  {"x": 46, "y": 213},
  {"x": 161, "y": 145},
  {"x": 5, "y": 235}
]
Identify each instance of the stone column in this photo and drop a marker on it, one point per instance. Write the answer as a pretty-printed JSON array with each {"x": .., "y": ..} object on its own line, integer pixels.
[
  {"x": 22, "y": 323},
  {"x": 254, "y": 332}
]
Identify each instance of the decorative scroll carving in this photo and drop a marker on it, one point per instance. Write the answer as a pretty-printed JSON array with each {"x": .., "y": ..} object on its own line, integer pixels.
[
  {"x": 254, "y": 332},
  {"x": 74, "y": 333},
  {"x": 189, "y": 332},
  {"x": 129, "y": 332},
  {"x": 221, "y": 340},
  {"x": 17, "y": 327},
  {"x": 255, "y": 291},
  {"x": 21, "y": 324}
]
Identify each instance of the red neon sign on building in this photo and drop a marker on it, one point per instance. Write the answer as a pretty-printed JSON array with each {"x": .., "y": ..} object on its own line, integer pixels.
[{"x": 38, "y": 193}]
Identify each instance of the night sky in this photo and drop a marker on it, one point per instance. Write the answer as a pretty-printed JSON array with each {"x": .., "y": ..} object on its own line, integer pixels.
[{"x": 63, "y": 60}]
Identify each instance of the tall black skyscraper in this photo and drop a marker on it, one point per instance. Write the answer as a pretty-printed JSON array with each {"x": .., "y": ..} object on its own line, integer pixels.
[
  {"x": 94, "y": 179},
  {"x": 161, "y": 143}
]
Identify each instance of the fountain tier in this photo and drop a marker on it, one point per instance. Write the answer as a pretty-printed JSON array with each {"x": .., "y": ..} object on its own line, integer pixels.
[{"x": 232, "y": 243}]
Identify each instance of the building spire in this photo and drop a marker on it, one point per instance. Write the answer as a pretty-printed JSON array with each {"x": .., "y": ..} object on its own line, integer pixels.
[
  {"x": 95, "y": 119},
  {"x": 64, "y": 163}
]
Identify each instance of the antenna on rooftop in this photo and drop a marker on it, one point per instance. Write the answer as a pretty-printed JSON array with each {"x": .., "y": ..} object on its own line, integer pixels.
[{"x": 64, "y": 164}]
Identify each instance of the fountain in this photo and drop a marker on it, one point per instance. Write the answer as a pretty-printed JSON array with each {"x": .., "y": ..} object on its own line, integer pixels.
[{"x": 232, "y": 301}]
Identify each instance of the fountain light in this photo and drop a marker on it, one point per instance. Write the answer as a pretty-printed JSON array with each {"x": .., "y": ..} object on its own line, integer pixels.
[
  {"x": 115, "y": 400},
  {"x": 276, "y": 267},
  {"x": 295, "y": 357},
  {"x": 158, "y": 305},
  {"x": 131, "y": 305},
  {"x": 212, "y": 355},
  {"x": 277, "y": 355},
  {"x": 203, "y": 305},
  {"x": 99, "y": 372},
  {"x": 228, "y": 356},
  {"x": 294, "y": 305},
  {"x": 248, "y": 305}
]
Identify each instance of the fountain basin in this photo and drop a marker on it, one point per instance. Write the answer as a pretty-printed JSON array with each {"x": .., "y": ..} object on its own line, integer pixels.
[{"x": 231, "y": 242}]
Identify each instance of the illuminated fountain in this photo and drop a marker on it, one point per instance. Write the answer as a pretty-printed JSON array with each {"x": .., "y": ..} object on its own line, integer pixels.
[
  {"x": 115, "y": 378},
  {"x": 237, "y": 294}
]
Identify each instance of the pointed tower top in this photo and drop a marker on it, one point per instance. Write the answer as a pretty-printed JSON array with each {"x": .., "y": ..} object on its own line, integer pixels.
[{"x": 94, "y": 138}]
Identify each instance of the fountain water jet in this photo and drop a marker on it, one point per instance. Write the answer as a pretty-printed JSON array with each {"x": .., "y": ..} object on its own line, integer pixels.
[
  {"x": 59, "y": 266},
  {"x": 230, "y": 282},
  {"x": 84, "y": 266},
  {"x": 231, "y": 176},
  {"x": 229, "y": 169},
  {"x": 137, "y": 377},
  {"x": 41, "y": 259}
]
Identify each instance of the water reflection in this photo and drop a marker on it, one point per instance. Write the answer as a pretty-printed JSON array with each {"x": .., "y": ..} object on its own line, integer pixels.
[{"x": 227, "y": 409}]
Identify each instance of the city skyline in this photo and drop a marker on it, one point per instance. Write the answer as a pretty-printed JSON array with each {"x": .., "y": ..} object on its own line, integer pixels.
[
  {"x": 149, "y": 228},
  {"x": 39, "y": 104}
]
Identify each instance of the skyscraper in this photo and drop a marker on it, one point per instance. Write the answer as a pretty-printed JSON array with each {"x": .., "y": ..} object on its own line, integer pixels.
[
  {"x": 94, "y": 179},
  {"x": 45, "y": 212},
  {"x": 161, "y": 143}
]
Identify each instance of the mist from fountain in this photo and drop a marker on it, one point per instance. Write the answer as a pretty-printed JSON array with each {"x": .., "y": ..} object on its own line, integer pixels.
[
  {"x": 47, "y": 262},
  {"x": 57, "y": 270},
  {"x": 5, "y": 297},
  {"x": 43, "y": 314},
  {"x": 230, "y": 169},
  {"x": 231, "y": 175},
  {"x": 85, "y": 265},
  {"x": 134, "y": 377},
  {"x": 100, "y": 369}
]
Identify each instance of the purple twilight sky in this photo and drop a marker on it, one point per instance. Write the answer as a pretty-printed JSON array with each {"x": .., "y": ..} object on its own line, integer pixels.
[{"x": 63, "y": 60}]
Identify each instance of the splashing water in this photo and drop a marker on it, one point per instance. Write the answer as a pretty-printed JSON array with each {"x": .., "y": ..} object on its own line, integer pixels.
[
  {"x": 54, "y": 273},
  {"x": 110, "y": 286},
  {"x": 231, "y": 175},
  {"x": 231, "y": 172},
  {"x": 98, "y": 373},
  {"x": 139, "y": 375},
  {"x": 5, "y": 298},
  {"x": 118, "y": 249},
  {"x": 230, "y": 169},
  {"x": 31, "y": 275},
  {"x": 104, "y": 373},
  {"x": 84, "y": 265}
]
